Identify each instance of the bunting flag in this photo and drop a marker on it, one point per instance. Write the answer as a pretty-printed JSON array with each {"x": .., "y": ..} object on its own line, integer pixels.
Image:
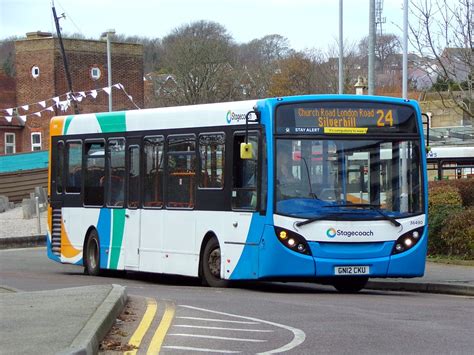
[{"x": 61, "y": 102}]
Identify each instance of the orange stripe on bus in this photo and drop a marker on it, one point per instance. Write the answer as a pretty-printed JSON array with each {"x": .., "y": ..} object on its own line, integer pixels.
[{"x": 67, "y": 250}]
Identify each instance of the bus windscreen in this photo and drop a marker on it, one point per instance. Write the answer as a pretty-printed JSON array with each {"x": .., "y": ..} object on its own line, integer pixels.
[{"x": 348, "y": 117}]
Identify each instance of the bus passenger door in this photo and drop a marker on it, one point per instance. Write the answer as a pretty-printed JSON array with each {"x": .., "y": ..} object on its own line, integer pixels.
[{"x": 133, "y": 212}]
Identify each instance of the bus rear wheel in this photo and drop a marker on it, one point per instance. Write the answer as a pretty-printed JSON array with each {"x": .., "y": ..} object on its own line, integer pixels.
[
  {"x": 211, "y": 265},
  {"x": 92, "y": 255},
  {"x": 350, "y": 284}
]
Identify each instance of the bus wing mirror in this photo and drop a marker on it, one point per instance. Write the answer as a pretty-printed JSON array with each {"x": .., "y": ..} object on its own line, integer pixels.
[{"x": 246, "y": 151}]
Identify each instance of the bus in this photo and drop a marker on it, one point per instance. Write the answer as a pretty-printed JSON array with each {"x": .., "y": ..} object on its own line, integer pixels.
[
  {"x": 450, "y": 162},
  {"x": 200, "y": 191}
]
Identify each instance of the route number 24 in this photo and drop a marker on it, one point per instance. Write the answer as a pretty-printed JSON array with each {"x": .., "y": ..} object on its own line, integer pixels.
[{"x": 384, "y": 118}]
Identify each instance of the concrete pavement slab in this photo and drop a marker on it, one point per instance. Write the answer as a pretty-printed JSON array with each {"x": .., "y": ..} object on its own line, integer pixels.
[{"x": 72, "y": 320}]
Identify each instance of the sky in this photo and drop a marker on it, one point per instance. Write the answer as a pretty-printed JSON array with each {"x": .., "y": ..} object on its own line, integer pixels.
[{"x": 306, "y": 24}]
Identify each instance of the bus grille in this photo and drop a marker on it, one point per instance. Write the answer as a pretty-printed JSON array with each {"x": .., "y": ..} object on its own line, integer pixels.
[{"x": 56, "y": 232}]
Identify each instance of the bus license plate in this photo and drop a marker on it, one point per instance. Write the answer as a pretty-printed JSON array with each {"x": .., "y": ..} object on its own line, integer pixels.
[{"x": 352, "y": 270}]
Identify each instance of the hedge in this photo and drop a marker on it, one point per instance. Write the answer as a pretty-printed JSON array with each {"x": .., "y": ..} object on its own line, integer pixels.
[{"x": 451, "y": 218}]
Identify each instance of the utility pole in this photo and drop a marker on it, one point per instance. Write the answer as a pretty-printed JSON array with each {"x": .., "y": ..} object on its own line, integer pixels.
[
  {"x": 405, "y": 50},
  {"x": 341, "y": 50},
  {"x": 371, "y": 70},
  {"x": 107, "y": 35},
  {"x": 63, "y": 53}
]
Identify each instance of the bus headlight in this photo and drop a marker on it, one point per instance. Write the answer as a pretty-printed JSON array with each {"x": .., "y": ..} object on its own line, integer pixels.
[
  {"x": 292, "y": 241},
  {"x": 407, "y": 241}
]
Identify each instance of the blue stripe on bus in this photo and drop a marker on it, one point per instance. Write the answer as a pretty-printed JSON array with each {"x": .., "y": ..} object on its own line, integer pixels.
[
  {"x": 104, "y": 227},
  {"x": 246, "y": 266}
]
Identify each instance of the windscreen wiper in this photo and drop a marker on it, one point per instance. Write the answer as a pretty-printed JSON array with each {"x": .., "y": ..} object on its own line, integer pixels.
[
  {"x": 375, "y": 208},
  {"x": 315, "y": 219}
]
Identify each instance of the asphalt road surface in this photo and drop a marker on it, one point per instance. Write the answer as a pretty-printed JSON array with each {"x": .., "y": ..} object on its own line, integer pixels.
[{"x": 296, "y": 318}]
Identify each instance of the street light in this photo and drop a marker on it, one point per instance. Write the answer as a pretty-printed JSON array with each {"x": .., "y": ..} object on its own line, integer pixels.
[{"x": 107, "y": 35}]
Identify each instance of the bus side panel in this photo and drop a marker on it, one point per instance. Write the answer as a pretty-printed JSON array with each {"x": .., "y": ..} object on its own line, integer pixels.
[
  {"x": 245, "y": 257},
  {"x": 276, "y": 260},
  {"x": 151, "y": 240},
  {"x": 74, "y": 226}
]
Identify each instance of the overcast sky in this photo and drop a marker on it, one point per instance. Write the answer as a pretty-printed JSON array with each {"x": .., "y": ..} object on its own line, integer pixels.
[{"x": 306, "y": 23}]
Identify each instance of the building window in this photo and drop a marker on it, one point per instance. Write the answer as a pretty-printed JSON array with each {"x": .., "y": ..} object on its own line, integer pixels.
[
  {"x": 35, "y": 141},
  {"x": 95, "y": 73},
  {"x": 10, "y": 144},
  {"x": 35, "y": 71}
]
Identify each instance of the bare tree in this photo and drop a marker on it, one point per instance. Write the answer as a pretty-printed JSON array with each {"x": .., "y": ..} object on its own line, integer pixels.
[
  {"x": 386, "y": 46},
  {"x": 328, "y": 71},
  {"x": 442, "y": 36},
  {"x": 200, "y": 56},
  {"x": 259, "y": 61}
]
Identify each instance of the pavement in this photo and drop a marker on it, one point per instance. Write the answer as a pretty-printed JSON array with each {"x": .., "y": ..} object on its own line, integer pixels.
[{"x": 85, "y": 314}]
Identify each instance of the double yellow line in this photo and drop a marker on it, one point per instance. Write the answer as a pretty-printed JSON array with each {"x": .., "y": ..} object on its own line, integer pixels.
[{"x": 160, "y": 333}]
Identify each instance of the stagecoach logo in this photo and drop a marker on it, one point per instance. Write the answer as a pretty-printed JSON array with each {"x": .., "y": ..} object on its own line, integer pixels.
[
  {"x": 235, "y": 117},
  {"x": 331, "y": 233}
]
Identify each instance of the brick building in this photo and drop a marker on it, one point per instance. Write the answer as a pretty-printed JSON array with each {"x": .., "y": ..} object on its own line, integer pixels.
[{"x": 40, "y": 76}]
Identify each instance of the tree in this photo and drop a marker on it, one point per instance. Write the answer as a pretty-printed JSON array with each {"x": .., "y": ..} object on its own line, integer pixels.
[
  {"x": 294, "y": 76},
  {"x": 200, "y": 56},
  {"x": 386, "y": 46},
  {"x": 442, "y": 34},
  {"x": 7, "y": 55},
  {"x": 259, "y": 59}
]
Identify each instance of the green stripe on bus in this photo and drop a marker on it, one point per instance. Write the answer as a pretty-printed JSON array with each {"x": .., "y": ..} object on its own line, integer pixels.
[
  {"x": 117, "y": 236},
  {"x": 111, "y": 121},
  {"x": 67, "y": 123}
]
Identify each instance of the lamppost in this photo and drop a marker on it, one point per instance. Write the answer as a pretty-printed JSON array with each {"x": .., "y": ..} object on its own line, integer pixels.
[{"x": 107, "y": 36}]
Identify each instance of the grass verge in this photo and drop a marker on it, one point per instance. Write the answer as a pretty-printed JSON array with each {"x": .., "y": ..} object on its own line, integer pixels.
[{"x": 449, "y": 260}]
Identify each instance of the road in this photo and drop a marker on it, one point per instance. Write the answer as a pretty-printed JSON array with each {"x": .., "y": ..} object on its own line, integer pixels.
[{"x": 259, "y": 317}]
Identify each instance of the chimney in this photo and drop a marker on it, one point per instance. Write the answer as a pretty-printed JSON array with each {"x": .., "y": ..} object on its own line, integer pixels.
[{"x": 38, "y": 34}]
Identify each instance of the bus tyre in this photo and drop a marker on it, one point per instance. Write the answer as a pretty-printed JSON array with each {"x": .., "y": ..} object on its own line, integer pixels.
[
  {"x": 92, "y": 255},
  {"x": 211, "y": 265},
  {"x": 350, "y": 284}
]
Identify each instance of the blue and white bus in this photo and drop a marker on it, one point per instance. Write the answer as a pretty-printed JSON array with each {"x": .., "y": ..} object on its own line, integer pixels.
[{"x": 324, "y": 188}]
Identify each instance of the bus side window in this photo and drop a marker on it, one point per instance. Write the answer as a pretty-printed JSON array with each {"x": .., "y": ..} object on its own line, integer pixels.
[
  {"x": 116, "y": 173},
  {"x": 244, "y": 189},
  {"x": 60, "y": 167},
  {"x": 74, "y": 166},
  {"x": 154, "y": 164},
  {"x": 181, "y": 173},
  {"x": 94, "y": 173},
  {"x": 212, "y": 154}
]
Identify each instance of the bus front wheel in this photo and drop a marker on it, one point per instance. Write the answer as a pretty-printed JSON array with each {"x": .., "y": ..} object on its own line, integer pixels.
[
  {"x": 211, "y": 265},
  {"x": 350, "y": 284},
  {"x": 92, "y": 255}
]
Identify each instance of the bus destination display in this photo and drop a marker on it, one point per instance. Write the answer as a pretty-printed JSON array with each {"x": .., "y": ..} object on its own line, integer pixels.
[{"x": 343, "y": 119}]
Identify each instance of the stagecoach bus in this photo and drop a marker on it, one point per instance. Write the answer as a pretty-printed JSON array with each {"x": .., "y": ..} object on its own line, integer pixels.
[{"x": 328, "y": 189}]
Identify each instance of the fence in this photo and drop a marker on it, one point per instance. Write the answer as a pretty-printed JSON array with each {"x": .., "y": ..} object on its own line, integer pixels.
[{"x": 18, "y": 185}]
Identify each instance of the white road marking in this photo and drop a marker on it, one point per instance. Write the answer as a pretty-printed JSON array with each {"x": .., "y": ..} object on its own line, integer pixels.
[
  {"x": 298, "y": 335},
  {"x": 220, "y": 328},
  {"x": 217, "y": 320},
  {"x": 220, "y": 338},
  {"x": 187, "y": 348}
]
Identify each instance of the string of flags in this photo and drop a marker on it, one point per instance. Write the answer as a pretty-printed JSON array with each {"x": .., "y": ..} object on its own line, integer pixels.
[{"x": 61, "y": 102}]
